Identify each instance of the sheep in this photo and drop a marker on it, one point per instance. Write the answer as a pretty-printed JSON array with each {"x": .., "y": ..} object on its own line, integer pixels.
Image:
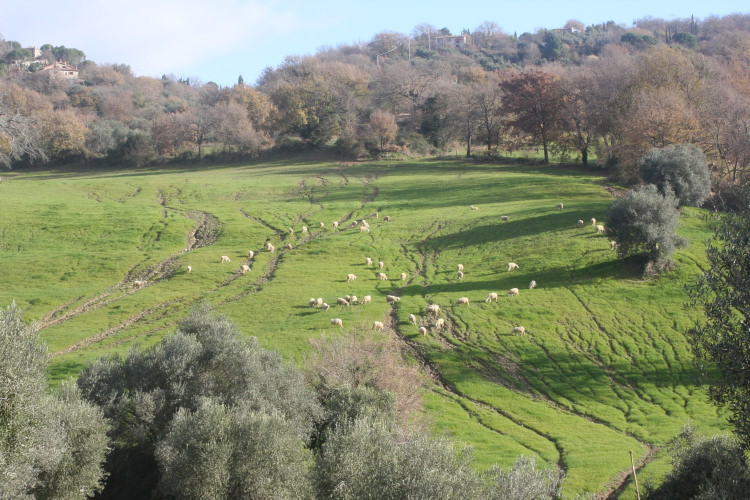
[
  {"x": 244, "y": 268},
  {"x": 460, "y": 267},
  {"x": 364, "y": 223},
  {"x": 322, "y": 225},
  {"x": 412, "y": 319},
  {"x": 387, "y": 218},
  {"x": 519, "y": 329},
  {"x": 513, "y": 291},
  {"x": 335, "y": 224},
  {"x": 348, "y": 298},
  {"x": 474, "y": 208},
  {"x": 613, "y": 245},
  {"x": 512, "y": 266},
  {"x": 491, "y": 296},
  {"x": 364, "y": 229},
  {"x": 250, "y": 254},
  {"x": 599, "y": 229},
  {"x": 319, "y": 301},
  {"x": 342, "y": 302},
  {"x": 504, "y": 218},
  {"x": 337, "y": 322},
  {"x": 559, "y": 206},
  {"x": 366, "y": 299},
  {"x": 351, "y": 277},
  {"x": 375, "y": 214},
  {"x": 381, "y": 264},
  {"x": 382, "y": 276},
  {"x": 532, "y": 284},
  {"x": 593, "y": 221},
  {"x": 312, "y": 303},
  {"x": 423, "y": 330},
  {"x": 189, "y": 269},
  {"x": 291, "y": 231},
  {"x": 270, "y": 247},
  {"x": 325, "y": 306},
  {"x": 225, "y": 259},
  {"x": 368, "y": 261},
  {"x": 377, "y": 325},
  {"x": 288, "y": 246},
  {"x": 433, "y": 309},
  {"x": 439, "y": 324},
  {"x": 304, "y": 229},
  {"x": 403, "y": 276},
  {"x": 353, "y": 224},
  {"x": 392, "y": 299},
  {"x": 353, "y": 299},
  {"x": 460, "y": 276},
  {"x": 139, "y": 283},
  {"x": 580, "y": 223},
  {"x": 463, "y": 300}
]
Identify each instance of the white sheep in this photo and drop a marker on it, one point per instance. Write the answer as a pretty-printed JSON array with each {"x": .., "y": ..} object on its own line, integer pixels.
[
  {"x": 423, "y": 330},
  {"x": 387, "y": 218},
  {"x": 433, "y": 309},
  {"x": 593, "y": 221},
  {"x": 139, "y": 283},
  {"x": 460, "y": 275},
  {"x": 190, "y": 269},
  {"x": 580, "y": 223},
  {"x": 559, "y": 206},
  {"x": 342, "y": 302},
  {"x": 291, "y": 231},
  {"x": 244, "y": 268},
  {"x": 613, "y": 245},
  {"x": 312, "y": 303},
  {"x": 225, "y": 259},
  {"x": 504, "y": 218},
  {"x": 325, "y": 306},
  {"x": 368, "y": 261},
  {"x": 474, "y": 208},
  {"x": 463, "y": 300},
  {"x": 351, "y": 277},
  {"x": 364, "y": 229},
  {"x": 392, "y": 299},
  {"x": 512, "y": 266},
  {"x": 382, "y": 276},
  {"x": 337, "y": 322},
  {"x": 491, "y": 296},
  {"x": 381, "y": 264},
  {"x": 319, "y": 301},
  {"x": 322, "y": 225},
  {"x": 377, "y": 325},
  {"x": 270, "y": 247},
  {"x": 519, "y": 329},
  {"x": 304, "y": 229},
  {"x": 335, "y": 223},
  {"x": 366, "y": 299},
  {"x": 250, "y": 254},
  {"x": 288, "y": 246},
  {"x": 353, "y": 299},
  {"x": 532, "y": 284},
  {"x": 439, "y": 324},
  {"x": 403, "y": 276},
  {"x": 599, "y": 229},
  {"x": 412, "y": 319},
  {"x": 513, "y": 291},
  {"x": 363, "y": 222},
  {"x": 460, "y": 267}
]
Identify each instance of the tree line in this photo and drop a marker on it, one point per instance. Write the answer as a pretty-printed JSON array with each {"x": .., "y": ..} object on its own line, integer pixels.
[{"x": 600, "y": 94}]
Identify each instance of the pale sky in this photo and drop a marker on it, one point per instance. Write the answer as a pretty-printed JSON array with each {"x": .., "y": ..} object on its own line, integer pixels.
[{"x": 218, "y": 40}]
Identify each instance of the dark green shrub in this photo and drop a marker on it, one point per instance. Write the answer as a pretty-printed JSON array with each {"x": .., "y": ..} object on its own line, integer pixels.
[{"x": 681, "y": 168}]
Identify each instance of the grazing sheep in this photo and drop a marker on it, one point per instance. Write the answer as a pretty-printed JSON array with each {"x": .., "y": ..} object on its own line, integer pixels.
[
  {"x": 312, "y": 303},
  {"x": 353, "y": 224},
  {"x": 381, "y": 264},
  {"x": 613, "y": 245},
  {"x": 504, "y": 218},
  {"x": 366, "y": 299},
  {"x": 423, "y": 330},
  {"x": 291, "y": 231},
  {"x": 387, "y": 218},
  {"x": 474, "y": 208},
  {"x": 337, "y": 322},
  {"x": 412, "y": 319},
  {"x": 189, "y": 269},
  {"x": 244, "y": 268},
  {"x": 382, "y": 276},
  {"x": 439, "y": 324},
  {"x": 304, "y": 229},
  {"x": 377, "y": 325},
  {"x": 460, "y": 276},
  {"x": 364, "y": 223},
  {"x": 364, "y": 229},
  {"x": 250, "y": 254},
  {"x": 559, "y": 206},
  {"x": 532, "y": 284},
  {"x": 325, "y": 306},
  {"x": 335, "y": 223},
  {"x": 593, "y": 221},
  {"x": 288, "y": 246},
  {"x": 491, "y": 296},
  {"x": 463, "y": 300},
  {"x": 322, "y": 225},
  {"x": 513, "y": 291},
  {"x": 270, "y": 247},
  {"x": 348, "y": 298},
  {"x": 519, "y": 329},
  {"x": 351, "y": 277},
  {"x": 512, "y": 266},
  {"x": 353, "y": 299},
  {"x": 139, "y": 283},
  {"x": 319, "y": 302},
  {"x": 460, "y": 267},
  {"x": 342, "y": 302},
  {"x": 433, "y": 309},
  {"x": 599, "y": 229},
  {"x": 392, "y": 299},
  {"x": 580, "y": 223},
  {"x": 368, "y": 261},
  {"x": 403, "y": 276},
  {"x": 225, "y": 259}
]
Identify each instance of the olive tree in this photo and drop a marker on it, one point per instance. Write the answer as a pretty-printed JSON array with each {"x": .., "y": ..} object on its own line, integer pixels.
[{"x": 681, "y": 168}]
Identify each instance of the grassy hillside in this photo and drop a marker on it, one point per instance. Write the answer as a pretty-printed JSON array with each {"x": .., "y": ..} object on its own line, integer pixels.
[{"x": 603, "y": 369}]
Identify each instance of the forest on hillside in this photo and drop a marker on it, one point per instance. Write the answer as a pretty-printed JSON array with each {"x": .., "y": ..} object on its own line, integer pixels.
[{"x": 602, "y": 95}]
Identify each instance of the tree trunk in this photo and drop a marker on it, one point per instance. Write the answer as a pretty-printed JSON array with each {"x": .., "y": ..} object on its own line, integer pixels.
[{"x": 585, "y": 155}]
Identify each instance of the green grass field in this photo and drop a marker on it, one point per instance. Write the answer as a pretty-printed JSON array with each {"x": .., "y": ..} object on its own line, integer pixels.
[{"x": 604, "y": 367}]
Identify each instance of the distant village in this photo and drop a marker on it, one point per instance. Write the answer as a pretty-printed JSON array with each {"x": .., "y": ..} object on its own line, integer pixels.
[{"x": 40, "y": 64}]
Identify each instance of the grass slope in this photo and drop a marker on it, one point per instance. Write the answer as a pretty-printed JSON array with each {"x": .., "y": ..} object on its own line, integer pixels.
[{"x": 604, "y": 368}]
